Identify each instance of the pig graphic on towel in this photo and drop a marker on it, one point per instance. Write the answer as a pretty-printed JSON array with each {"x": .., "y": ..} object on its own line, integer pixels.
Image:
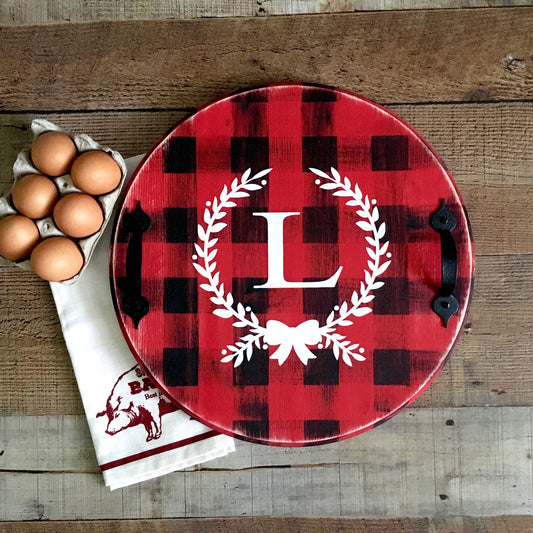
[{"x": 135, "y": 400}]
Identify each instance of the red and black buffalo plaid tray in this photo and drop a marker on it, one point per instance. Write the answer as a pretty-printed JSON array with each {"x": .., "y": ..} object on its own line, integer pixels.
[{"x": 292, "y": 264}]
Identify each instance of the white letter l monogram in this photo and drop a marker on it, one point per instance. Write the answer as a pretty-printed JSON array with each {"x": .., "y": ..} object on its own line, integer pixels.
[{"x": 276, "y": 279}]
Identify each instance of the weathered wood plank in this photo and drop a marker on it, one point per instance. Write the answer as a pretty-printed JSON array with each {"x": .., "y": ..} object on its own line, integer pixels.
[
  {"x": 482, "y": 144},
  {"x": 125, "y": 65},
  {"x": 20, "y": 12},
  {"x": 487, "y": 147},
  {"x": 444, "y": 524},
  {"x": 129, "y": 132},
  {"x": 423, "y": 462},
  {"x": 490, "y": 366},
  {"x": 37, "y": 372}
]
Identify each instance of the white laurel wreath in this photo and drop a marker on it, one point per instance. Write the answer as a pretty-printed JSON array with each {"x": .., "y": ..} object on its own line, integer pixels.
[{"x": 245, "y": 317}]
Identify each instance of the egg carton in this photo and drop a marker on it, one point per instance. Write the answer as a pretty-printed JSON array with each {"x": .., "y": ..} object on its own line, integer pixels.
[{"x": 47, "y": 228}]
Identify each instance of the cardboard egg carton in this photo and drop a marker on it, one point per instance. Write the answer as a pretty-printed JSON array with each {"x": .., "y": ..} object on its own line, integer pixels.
[{"x": 47, "y": 228}]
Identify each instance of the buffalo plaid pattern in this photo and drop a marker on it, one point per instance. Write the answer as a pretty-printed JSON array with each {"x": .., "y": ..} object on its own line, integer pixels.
[{"x": 291, "y": 128}]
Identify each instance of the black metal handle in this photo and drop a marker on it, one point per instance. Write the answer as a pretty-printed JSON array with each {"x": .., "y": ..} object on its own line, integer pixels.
[
  {"x": 134, "y": 304},
  {"x": 446, "y": 304}
]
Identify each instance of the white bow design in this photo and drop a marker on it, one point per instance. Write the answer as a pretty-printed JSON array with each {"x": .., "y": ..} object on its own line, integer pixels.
[{"x": 305, "y": 334}]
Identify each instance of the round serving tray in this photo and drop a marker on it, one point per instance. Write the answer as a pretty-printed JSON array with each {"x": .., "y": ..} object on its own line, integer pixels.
[{"x": 292, "y": 264}]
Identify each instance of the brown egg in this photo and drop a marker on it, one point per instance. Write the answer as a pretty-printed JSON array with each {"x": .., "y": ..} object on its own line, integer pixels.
[
  {"x": 95, "y": 172},
  {"x": 56, "y": 259},
  {"x": 78, "y": 215},
  {"x": 53, "y": 153},
  {"x": 18, "y": 236},
  {"x": 34, "y": 196}
]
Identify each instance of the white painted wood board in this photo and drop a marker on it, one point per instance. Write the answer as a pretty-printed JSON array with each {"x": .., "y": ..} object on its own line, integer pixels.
[{"x": 21, "y": 12}]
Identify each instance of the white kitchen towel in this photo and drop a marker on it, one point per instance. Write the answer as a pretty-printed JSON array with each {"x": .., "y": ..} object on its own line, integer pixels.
[{"x": 137, "y": 433}]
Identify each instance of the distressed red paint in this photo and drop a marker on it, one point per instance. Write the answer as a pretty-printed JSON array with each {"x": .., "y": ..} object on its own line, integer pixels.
[{"x": 290, "y": 128}]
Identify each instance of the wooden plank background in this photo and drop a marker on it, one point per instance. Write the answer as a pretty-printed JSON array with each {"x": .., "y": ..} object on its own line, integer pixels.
[
  {"x": 19, "y": 12},
  {"x": 423, "y": 462},
  {"x": 461, "y": 458},
  {"x": 456, "y": 524},
  {"x": 408, "y": 57}
]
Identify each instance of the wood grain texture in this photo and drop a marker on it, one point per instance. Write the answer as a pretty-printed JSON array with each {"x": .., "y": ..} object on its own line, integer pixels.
[
  {"x": 423, "y": 462},
  {"x": 24, "y": 12},
  {"x": 418, "y": 464},
  {"x": 390, "y": 56},
  {"x": 487, "y": 147},
  {"x": 37, "y": 372},
  {"x": 489, "y": 150},
  {"x": 490, "y": 366},
  {"x": 444, "y": 524}
]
